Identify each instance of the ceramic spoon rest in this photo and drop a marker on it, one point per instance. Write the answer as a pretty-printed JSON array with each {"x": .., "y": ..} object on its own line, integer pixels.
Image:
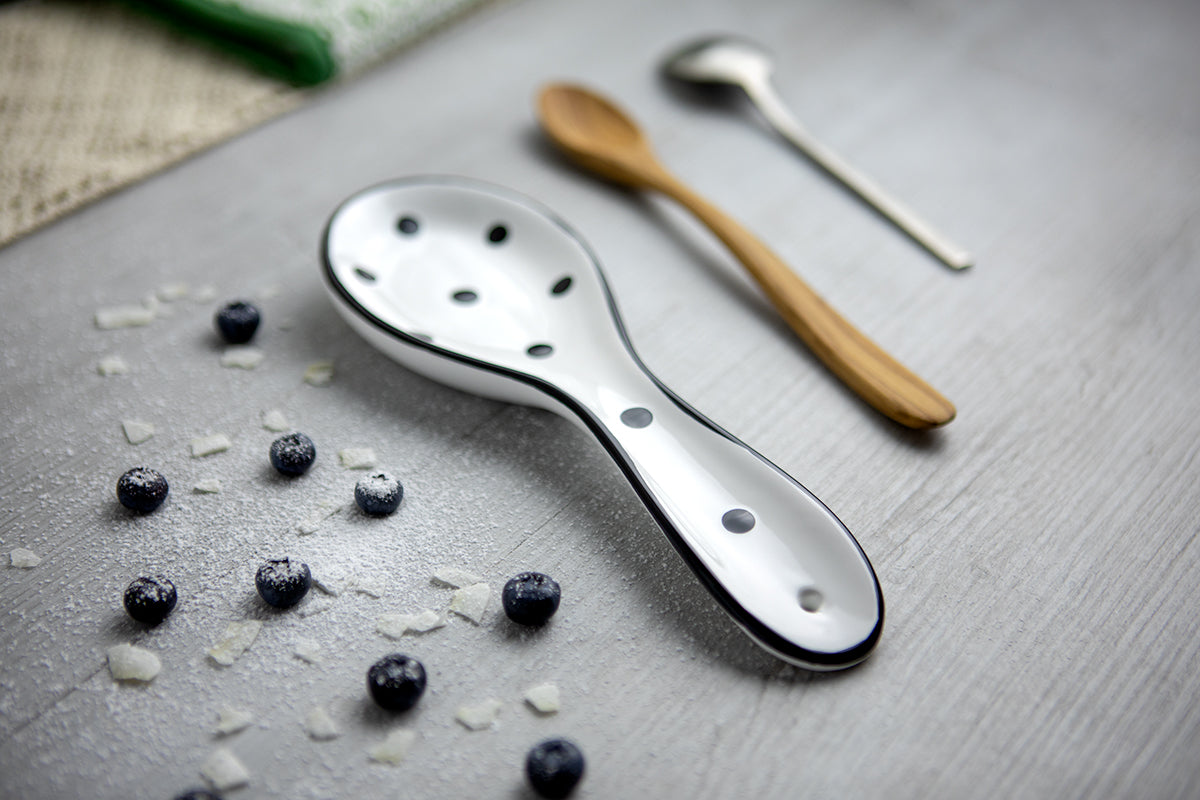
[{"x": 487, "y": 291}]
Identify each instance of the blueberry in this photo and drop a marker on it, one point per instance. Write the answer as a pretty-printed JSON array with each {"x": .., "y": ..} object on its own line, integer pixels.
[
  {"x": 531, "y": 598},
  {"x": 293, "y": 453},
  {"x": 198, "y": 794},
  {"x": 396, "y": 681},
  {"x": 238, "y": 321},
  {"x": 282, "y": 582},
  {"x": 554, "y": 767},
  {"x": 379, "y": 493},
  {"x": 150, "y": 599},
  {"x": 142, "y": 489}
]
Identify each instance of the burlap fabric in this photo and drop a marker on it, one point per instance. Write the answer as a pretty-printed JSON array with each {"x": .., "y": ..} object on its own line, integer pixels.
[{"x": 94, "y": 96}]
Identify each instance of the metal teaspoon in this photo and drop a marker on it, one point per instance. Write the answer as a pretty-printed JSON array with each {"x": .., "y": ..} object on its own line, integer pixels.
[{"x": 725, "y": 61}]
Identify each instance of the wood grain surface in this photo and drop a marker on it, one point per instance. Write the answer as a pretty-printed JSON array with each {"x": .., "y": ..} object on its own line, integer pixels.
[{"x": 1038, "y": 555}]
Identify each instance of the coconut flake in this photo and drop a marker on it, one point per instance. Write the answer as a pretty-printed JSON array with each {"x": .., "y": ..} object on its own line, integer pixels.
[
  {"x": 112, "y": 365},
  {"x": 172, "y": 292},
  {"x": 365, "y": 586},
  {"x": 471, "y": 601},
  {"x": 543, "y": 698},
  {"x": 208, "y": 445},
  {"x": 128, "y": 662},
  {"x": 224, "y": 771},
  {"x": 207, "y": 486},
  {"x": 312, "y": 523},
  {"x": 394, "y": 748},
  {"x": 307, "y": 650},
  {"x": 319, "y": 373},
  {"x": 481, "y": 716},
  {"x": 326, "y": 586},
  {"x": 454, "y": 577},
  {"x": 242, "y": 357},
  {"x": 108, "y": 319},
  {"x": 394, "y": 626},
  {"x": 231, "y": 720},
  {"x": 320, "y": 726},
  {"x": 274, "y": 420},
  {"x": 24, "y": 559},
  {"x": 236, "y": 640},
  {"x": 357, "y": 458},
  {"x": 314, "y": 606},
  {"x": 137, "y": 431}
]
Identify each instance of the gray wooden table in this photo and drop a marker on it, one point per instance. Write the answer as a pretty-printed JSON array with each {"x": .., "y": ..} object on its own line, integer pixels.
[{"x": 1038, "y": 556}]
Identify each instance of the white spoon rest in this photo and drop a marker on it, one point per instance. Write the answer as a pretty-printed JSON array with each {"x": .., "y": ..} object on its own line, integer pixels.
[{"x": 488, "y": 291}]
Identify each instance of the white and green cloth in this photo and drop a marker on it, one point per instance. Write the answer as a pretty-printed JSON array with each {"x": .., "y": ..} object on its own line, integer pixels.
[{"x": 307, "y": 42}]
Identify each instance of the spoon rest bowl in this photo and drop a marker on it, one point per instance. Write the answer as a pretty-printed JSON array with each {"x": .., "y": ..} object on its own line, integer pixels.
[{"x": 488, "y": 291}]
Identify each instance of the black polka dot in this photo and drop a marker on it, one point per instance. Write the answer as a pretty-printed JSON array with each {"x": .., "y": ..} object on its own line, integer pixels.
[
  {"x": 637, "y": 417},
  {"x": 497, "y": 234},
  {"x": 737, "y": 520},
  {"x": 465, "y": 296},
  {"x": 407, "y": 225},
  {"x": 563, "y": 284},
  {"x": 540, "y": 350},
  {"x": 364, "y": 274}
]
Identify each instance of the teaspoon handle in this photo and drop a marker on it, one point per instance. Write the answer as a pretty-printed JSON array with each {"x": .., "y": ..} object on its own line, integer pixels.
[
  {"x": 780, "y": 118},
  {"x": 884, "y": 383}
]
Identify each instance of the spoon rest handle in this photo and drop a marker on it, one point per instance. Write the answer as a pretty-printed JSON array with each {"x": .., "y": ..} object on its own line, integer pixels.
[{"x": 777, "y": 559}]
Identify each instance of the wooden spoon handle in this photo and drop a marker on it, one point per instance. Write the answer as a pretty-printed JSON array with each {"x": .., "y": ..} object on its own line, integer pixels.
[{"x": 887, "y": 385}]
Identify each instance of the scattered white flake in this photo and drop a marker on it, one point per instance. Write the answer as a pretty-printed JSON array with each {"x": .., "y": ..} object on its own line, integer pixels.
[
  {"x": 314, "y": 606},
  {"x": 479, "y": 717},
  {"x": 127, "y": 662},
  {"x": 24, "y": 559},
  {"x": 237, "y": 638},
  {"x": 231, "y": 720},
  {"x": 274, "y": 420},
  {"x": 112, "y": 365},
  {"x": 108, "y": 319},
  {"x": 205, "y": 294},
  {"x": 357, "y": 458},
  {"x": 326, "y": 586},
  {"x": 312, "y": 523},
  {"x": 319, "y": 373},
  {"x": 394, "y": 748},
  {"x": 242, "y": 357},
  {"x": 269, "y": 292},
  {"x": 543, "y": 698},
  {"x": 224, "y": 771},
  {"x": 151, "y": 302},
  {"x": 286, "y": 324},
  {"x": 454, "y": 577},
  {"x": 207, "y": 445},
  {"x": 137, "y": 431},
  {"x": 471, "y": 601},
  {"x": 307, "y": 650},
  {"x": 394, "y": 626},
  {"x": 173, "y": 292},
  {"x": 365, "y": 586},
  {"x": 207, "y": 486},
  {"x": 320, "y": 726}
]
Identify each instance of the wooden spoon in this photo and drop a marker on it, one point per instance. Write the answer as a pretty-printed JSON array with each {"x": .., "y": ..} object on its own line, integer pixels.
[{"x": 602, "y": 138}]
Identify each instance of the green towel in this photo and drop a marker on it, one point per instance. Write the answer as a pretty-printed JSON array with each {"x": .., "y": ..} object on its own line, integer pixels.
[{"x": 307, "y": 42}]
